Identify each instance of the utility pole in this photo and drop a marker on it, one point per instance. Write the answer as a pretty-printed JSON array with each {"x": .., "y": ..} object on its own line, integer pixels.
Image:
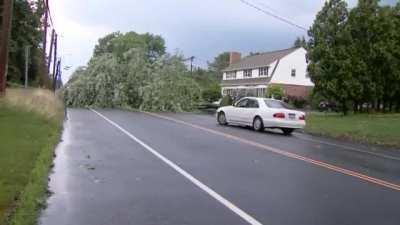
[
  {"x": 51, "y": 50},
  {"x": 58, "y": 71},
  {"x": 46, "y": 18},
  {"x": 55, "y": 56},
  {"x": 6, "y": 15},
  {"x": 191, "y": 65},
  {"x": 26, "y": 65}
]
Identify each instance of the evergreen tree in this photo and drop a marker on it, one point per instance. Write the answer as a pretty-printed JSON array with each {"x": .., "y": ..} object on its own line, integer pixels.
[
  {"x": 300, "y": 42},
  {"x": 329, "y": 57}
]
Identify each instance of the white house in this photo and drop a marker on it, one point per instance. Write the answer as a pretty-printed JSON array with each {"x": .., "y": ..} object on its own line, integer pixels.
[{"x": 251, "y": 75}]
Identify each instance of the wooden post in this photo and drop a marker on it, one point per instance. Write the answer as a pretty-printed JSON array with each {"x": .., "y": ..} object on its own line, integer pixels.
[
  {"x": 55, "y": 56},
  {"x": 51, "y": 50},
  {"x": 45, "y": 24},
  {"x": 58, "y": 70},
  {"x": 26, "y": 65}
]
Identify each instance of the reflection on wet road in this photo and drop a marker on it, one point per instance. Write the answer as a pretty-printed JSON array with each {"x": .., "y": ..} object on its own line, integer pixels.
[{"x": 104, "y": 176}]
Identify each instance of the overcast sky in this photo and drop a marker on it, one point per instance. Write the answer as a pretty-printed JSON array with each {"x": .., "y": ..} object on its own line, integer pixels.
[{"x": 200, "y": 28}]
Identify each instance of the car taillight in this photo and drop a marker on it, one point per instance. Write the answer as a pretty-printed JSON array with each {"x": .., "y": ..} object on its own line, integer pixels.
[
  {"x": 279, "y": 115},
  {"x": 302, "y": 117}
]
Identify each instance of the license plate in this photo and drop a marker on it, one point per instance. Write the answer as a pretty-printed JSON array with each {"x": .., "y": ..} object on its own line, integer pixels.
[{"x": 292, "y": 116}]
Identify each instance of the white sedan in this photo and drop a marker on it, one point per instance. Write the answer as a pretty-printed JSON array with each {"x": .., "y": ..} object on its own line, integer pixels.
[{"x": 262, "y": 113}]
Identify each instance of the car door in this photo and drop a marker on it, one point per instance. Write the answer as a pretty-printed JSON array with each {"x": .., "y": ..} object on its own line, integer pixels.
[
  {"x": 248, "y": 112},
  {"x": 238, "y": 110}
]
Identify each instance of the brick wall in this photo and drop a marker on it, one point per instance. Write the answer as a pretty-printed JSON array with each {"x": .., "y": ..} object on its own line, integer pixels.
[
  {"x": 296, "y": 90},
  {"x": 234, "y": 57}
]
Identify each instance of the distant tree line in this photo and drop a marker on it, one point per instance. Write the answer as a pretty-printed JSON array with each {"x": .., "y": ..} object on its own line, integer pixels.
[
  {"x": 354, "y": 55},
  {"x": 27, "y": 30}
]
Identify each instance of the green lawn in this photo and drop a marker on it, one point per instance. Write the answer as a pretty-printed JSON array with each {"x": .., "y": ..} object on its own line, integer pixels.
[
  {"x": 382, "y": 129},
  {"x": 27, "y": 141}
]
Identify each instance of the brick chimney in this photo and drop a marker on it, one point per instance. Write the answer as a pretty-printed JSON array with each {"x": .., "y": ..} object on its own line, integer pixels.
[{"x": 234, "y": 57}]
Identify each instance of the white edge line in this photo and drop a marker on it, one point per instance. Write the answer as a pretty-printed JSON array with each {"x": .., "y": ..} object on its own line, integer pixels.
[{"x": 181, "y": 171}]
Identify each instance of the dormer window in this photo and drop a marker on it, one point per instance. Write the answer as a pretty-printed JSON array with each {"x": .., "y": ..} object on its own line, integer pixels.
[
  {"x": 231, "y": 75},
  {"x": 247, "y": 73},
  {"x": 263, "y": 71}
]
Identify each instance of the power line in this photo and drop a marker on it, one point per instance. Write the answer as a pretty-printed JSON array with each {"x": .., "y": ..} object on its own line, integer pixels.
[
  {"x": 273, "y": 15},
  {"x": 267, "y": 7}
]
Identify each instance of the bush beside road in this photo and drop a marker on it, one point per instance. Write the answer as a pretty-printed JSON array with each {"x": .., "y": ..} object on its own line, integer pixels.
[
  {"x": 381, "y": 129},
  {"x": 30, "y": 127}
]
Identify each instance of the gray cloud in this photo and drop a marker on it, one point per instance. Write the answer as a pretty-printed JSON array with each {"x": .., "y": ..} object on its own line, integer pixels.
[{"x": 200, "y": 28}]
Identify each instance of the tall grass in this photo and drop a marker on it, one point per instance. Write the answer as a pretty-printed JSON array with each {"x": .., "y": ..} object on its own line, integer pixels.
[
  {"x": 40, "y": 101},
  {"x": 30, "y": 128}
]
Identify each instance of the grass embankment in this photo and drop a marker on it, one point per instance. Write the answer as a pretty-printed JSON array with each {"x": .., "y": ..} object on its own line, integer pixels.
[
  {"x": 30, "y": 127},
  {"x": 381, "y": 129}
]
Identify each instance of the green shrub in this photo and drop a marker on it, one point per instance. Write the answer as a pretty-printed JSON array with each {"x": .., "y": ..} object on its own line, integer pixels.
[
  {"x": 212, "y": 93},
  {"x": 275, "y": 91},
  {"x": 297, "y": 102},
  {"x": 315, "y": 99},
  {"x": 226, "y": 100}
]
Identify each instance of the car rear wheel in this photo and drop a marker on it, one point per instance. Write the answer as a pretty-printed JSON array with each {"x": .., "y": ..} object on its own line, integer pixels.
[
  {"x": 287, "y": 131},
  {"x": 258, "y": 124},
  {"x": 222, "y": 118}
]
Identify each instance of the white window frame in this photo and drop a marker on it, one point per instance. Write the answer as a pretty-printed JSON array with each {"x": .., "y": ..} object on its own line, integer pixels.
[
  {"x": 248, "y": 73},
  {"x": 293, "y": 73},
  {"x": 263, "y": 71},
  {"x": 230, "y": 75}
]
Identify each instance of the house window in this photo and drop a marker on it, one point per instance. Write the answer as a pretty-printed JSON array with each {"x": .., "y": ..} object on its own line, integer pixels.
[
  {"x": 247, "y": 73},
  {"x": 260, "y": 92},
  {"x": 263, "y": 71},
  {"x": 293, "y": 72},
  {"x": 228, "y": 92},
  {"x": 231, "y": 75},
  {"x": 252, "y": 104}
]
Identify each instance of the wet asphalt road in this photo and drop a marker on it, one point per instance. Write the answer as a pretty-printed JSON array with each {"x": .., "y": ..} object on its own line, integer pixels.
[{"x": 102, "y": 176}]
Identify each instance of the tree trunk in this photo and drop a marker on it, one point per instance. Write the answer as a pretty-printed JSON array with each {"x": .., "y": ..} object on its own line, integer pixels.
[
  {"x": 344, "y": 107},
  {"x": 378, "y": 106},
  {"x": 355, "y": 107}
]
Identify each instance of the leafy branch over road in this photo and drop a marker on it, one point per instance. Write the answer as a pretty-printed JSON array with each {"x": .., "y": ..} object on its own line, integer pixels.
[{"x": 133, "y": 71}]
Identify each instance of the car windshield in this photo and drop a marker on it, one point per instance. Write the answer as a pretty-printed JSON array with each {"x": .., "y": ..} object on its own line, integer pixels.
[{"x": 277, "y": 104}]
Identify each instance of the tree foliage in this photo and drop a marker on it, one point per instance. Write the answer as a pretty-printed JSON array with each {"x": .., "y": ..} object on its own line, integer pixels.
[
  {"x": 300, "y": 42},
  {"x": 354, "y": 55},
  {"x": 275, "y": 91},
  {"x": 132, "y": 70},
  {"x": 226, "y": 100},
  {"x": 27, "y": 30},
  {"x": 219, "y": 63}
]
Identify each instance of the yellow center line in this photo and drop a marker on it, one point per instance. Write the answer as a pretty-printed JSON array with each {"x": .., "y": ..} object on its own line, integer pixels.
[{"x": 286, "y": 153}]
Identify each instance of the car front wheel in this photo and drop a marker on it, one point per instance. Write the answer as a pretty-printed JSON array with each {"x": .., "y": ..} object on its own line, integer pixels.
[
  {"x": 258, "y": 124},
  {"x": 222, "y": 118}
]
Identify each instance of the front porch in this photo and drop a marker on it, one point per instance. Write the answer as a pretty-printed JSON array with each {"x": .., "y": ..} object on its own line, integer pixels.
[{"x": 238, "y": 92}]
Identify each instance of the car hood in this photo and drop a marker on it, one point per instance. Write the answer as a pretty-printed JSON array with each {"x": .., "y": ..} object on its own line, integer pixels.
[{"x": 224, "y": 108}]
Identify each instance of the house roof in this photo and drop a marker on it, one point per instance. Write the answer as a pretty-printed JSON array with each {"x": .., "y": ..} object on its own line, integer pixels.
[
  {"x": 260, "y": 60},
  {"x": 244, "y": 82}
]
